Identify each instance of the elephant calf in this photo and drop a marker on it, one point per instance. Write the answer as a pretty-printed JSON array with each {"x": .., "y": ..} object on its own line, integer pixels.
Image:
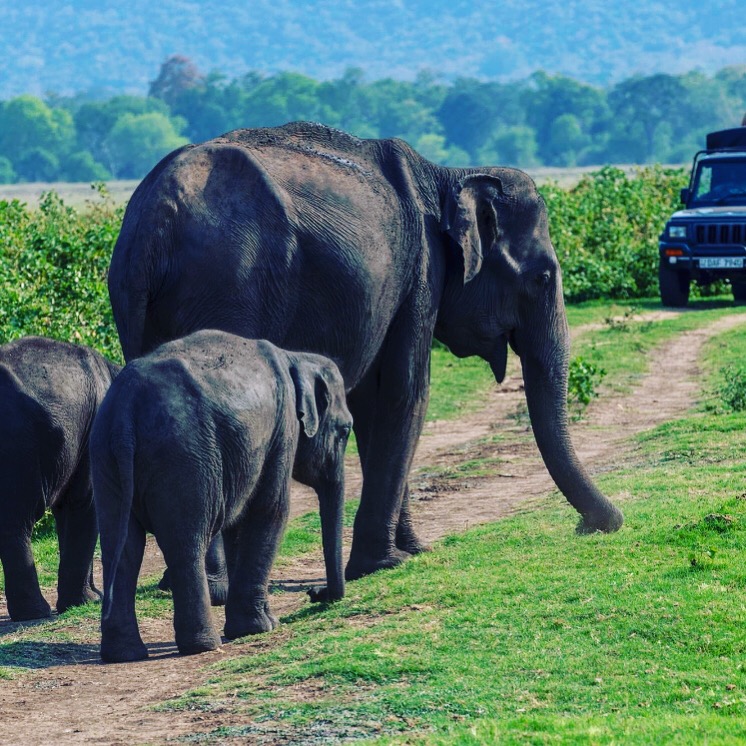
[
  {"x": 49, "y": 394},
  {"x": 201, "y": 437}
]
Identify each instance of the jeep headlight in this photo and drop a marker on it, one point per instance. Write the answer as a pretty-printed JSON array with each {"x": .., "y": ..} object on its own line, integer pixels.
[{"x": 677, "y": 231}]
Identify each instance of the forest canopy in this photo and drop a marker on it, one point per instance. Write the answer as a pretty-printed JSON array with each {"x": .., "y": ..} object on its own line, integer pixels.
[{"x": 542, "y": 120}]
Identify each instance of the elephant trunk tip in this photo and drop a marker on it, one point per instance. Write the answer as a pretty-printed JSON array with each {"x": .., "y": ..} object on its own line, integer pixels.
[{"x": 606, "y": 521}]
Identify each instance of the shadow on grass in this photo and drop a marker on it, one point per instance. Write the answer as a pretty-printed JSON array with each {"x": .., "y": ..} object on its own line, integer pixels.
[
  {"x": 35, "y": 655},
  {"x": 9, "y": 627},
  {"x": 40, "y": 655}
]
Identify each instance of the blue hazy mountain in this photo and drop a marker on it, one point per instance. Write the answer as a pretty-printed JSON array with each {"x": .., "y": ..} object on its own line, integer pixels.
[{"x": 112, "y": 47}]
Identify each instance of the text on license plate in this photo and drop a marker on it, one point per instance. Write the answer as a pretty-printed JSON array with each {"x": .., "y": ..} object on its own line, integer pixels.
[{"x": 728, "y": 262}]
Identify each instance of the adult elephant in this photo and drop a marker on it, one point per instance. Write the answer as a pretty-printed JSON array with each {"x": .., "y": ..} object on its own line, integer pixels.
[{"x": 360, "y": 250}]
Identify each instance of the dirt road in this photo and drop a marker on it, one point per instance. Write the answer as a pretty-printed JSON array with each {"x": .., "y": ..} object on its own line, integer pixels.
[{"x": 79, "y": 700}]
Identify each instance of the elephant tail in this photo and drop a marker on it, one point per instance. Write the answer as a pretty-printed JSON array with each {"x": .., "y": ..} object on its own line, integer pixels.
[{"x": 123, "y": 452}]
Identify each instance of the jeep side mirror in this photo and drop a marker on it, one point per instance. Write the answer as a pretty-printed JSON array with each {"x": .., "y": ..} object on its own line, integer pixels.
[{"x": 684, "y": 195}]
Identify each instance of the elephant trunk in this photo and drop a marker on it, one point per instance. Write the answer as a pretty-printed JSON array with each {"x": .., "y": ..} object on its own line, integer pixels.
[
  {"x": 331, "y": 507},
  {"x": 545, "y": 380}
]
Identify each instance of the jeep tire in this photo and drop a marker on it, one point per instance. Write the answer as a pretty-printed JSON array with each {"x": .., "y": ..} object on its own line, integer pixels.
[
  {"x": 674, "y": 285},
  {"x": 739, "y": 291}
]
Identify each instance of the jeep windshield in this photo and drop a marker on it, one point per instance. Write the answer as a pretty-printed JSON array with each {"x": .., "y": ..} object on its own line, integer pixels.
[{"x": 720, "y": 182}]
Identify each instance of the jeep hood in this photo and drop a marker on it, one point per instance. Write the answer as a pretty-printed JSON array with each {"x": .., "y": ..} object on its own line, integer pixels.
[{"x": 722, "y": 211}]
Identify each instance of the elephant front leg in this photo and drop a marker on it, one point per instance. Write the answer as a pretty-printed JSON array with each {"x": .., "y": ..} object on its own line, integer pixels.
[
  {"x": 252, "y": 553},
  {"x": 76, "y": 532},
  {"x": 406, "y": 537},
  {"x": 22, "y": 590},
  {"x": 388, "y": 411}
]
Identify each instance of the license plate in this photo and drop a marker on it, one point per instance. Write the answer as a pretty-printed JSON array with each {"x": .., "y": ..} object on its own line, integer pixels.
[{"x": 728, "y": 262}]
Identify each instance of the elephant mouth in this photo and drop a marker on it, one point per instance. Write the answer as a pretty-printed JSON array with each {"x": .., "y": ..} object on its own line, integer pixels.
[{"x": 498, "y": 358}]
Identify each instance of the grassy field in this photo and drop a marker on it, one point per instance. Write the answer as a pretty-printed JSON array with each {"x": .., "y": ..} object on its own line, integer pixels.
[{"x": 521, "y": 631}]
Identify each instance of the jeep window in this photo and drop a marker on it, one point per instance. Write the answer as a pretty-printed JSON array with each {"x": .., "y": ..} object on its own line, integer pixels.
[{"x": 720, "y": 183}]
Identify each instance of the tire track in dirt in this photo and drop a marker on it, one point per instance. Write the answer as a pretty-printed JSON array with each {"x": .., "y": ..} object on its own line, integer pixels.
[{"x": 82, "y": 701}]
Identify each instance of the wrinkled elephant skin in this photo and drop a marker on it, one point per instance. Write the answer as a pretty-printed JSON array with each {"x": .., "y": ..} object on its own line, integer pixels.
[
  {"x": 49, "y": 394},
  {"x": 197, "y": 440},
  {"x": 360, "y": 250}
]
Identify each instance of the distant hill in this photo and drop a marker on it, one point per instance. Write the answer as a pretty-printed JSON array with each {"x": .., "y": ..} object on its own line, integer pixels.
[{"x": 106, "y": 47}]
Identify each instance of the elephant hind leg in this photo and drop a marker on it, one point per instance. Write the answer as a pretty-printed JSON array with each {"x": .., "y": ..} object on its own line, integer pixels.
[
  {"x": 25, "y": 601},
  {"x": 77, "y": 532},
  {"x": 120, "y": 636},
  {"x": 193, "y": 622},
  {"x": 252, "y": 551}
]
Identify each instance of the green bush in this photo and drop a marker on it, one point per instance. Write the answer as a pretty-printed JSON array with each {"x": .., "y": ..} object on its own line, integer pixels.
[
  {"x": 582, "y": 380},
  {"x": 54, "y": 260},
  {"x": 732, "y": 388},
  {"x": 53, "y": 268},
  {"x": 605, "y": 230}
]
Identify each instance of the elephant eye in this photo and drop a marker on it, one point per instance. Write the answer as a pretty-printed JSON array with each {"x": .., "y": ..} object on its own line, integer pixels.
[
  {"x": 345, "y": 431},
  {"x": 544, "y": 278}
]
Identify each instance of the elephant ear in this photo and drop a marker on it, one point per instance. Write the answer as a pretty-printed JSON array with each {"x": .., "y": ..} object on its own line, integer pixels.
[
  {"x": 470, "y": 219},
  {"x": 312, "y": 396}
]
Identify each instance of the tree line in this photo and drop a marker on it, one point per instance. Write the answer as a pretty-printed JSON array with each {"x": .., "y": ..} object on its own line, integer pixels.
[{"x": 542, "y": 120}]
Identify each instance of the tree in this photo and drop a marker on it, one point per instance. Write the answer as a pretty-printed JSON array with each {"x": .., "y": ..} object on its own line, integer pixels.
[
  {"x": 81, "y": 166},
  {"x": 28, "y": 123},
  {"x": 177, "y": 75},
  {"x": 283, "y": 98},
  {"x": 566, "y": 141},
  {"x": 395, "y": 110},
  {"x": 7, "y": 174},
  {"x": 547, "y": 98},
  {"x": 38, "y": 164},
  {"x": 510, "y": 146},
  {"x": 434, "y": 148},
  {"x": 138, "y": 141},
  {"x": 639, "y": 105},
  {"x": 470, "y": 114},
  {"x": 94, "y": 122}
]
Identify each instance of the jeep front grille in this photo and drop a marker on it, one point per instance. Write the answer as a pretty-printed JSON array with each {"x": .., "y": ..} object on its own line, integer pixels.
[{"x": 720, "y": 233}]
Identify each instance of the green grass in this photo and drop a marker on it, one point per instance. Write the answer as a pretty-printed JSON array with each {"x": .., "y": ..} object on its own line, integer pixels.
[{"x": 524, "y": 632}]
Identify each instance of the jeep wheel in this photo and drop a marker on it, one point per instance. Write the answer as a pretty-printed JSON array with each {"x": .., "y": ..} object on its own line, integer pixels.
[
  {"x": 674, "y": 286},
  {"x": 739, "y": 291}
]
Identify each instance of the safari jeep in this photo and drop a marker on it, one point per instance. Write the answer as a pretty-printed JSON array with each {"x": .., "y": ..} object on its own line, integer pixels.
[{"x": 706, "y": 241}]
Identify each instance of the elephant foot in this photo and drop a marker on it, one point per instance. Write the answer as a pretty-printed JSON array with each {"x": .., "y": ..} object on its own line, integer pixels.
[
  {"x": 406, "y": 538},
  {"x": 201, "y": 644},
  {"x": 25, "y": 612},
  {"x": 606, "y": 521},
  {"x": 321, "y": 594},
  {"x": 411, "y": 544},
  {"x": 88, "y": 595},
  {"x": 241, "y": 625},
  {"x": 360, "y": 565},
  {"x": 121, "y": 652}
]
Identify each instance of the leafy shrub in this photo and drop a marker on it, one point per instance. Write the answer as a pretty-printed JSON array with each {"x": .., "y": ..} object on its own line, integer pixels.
[
  {"x": 53, "y": 268},
  {"x": 605, "y": 230},
  {"x": 583, "y": 378},
  {"x": 732, "y": 389}
]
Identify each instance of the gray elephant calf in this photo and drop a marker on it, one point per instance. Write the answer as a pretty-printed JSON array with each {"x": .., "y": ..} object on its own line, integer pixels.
[
  {"x": 49, "y": 394},
  {"x": 202, "y": 437}
]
